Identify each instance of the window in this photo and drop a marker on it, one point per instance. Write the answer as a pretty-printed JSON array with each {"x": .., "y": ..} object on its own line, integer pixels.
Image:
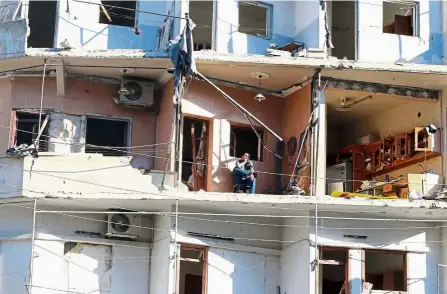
[
  {"x": 255, "y": 18},
  {"x": 244, "y": 139},
  {"x": 120, "y": 13},
  {"x": 107, "y": 136},
  {"x": 385, "y": 270},
  {"x": 401, "y": 18},
  {"x": 27, "y": 128}
]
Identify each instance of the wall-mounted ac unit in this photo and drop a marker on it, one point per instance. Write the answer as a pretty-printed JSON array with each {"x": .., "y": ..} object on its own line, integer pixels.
[
  {"x": 136, "y": 93},
  {"x": 123, "y": 225}
]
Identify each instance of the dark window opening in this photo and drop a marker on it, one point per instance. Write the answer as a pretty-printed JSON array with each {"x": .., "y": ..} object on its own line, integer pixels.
[
  {"x": 343, "y": 29},
  {"x": 121, "y": 13},
  {"x": 192, "y": 277},
  {"x": 42, "y": 24},
  {"x": 107, "y": 136},
  {"x": 244, "y": 139},
  {"x": 27, "y": 125},
  {"x": 385, "y": 270},
  {"x": 333, "y": 269},
  {"x": 202, "y": 13},
  {"x": 255, "y": 18},
  {"x": 400, "y": 18}
]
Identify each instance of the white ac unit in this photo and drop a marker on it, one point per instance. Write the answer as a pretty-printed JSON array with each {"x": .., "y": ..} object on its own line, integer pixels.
[
  {"x": 136, "y": 93},
  {"x": 123, "y": 225}
]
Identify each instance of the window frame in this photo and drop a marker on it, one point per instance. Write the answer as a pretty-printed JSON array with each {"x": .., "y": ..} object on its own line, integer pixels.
[
  {"x": 404, "y": 266},
  {"x": 260, "y": 155},
  {"x": 127, "y": 120},
  {"x": 269, "y": 19},
  {"x": 135, "y": 17},
  {"x": 416, "y": 16}
]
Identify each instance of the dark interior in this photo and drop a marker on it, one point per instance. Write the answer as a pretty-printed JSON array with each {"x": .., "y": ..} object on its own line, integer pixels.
[
  {"x": 244, "y": 139},
  {"x": 333, "y": 276},
  {"x": 109, "y": 133},
  {"x": 187, "y": 144},
  {"x": 28, "y": 128},
  {"x": 122, "y": 13},
  {"x": 42, "y": 24}
]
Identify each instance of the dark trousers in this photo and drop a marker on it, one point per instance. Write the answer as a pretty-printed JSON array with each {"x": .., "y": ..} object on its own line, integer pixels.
[{"x": 242, "y": 180}]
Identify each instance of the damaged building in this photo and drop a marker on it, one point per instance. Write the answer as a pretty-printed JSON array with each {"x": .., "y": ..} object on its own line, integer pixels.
[{"x": 123, "y": 125}]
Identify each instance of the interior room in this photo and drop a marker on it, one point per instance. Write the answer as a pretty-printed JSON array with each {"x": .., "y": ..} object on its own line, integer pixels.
[
  {"x": 192, "y": 268},
  {"x": 342, "y": 26},
  {"x": 381, "y": 145},
  {"x": 42, "y": 23},
  {"x": 333, "y": 271},
  {"x": 385, "y": 270}
]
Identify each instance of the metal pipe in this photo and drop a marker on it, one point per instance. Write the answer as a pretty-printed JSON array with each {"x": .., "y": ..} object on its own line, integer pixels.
[
  {"x": 33, "y": 236},
  {"x": 317, "y": 267},
  {"x": 176, "y": 249},
  {"x": 239, "y": 106},
  {"x": 444, "y": 30}
]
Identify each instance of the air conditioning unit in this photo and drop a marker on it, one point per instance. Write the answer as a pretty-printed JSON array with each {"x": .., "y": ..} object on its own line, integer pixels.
[
  {"x": 123, "y": 225},
  {"x": 136, "y": 93}
]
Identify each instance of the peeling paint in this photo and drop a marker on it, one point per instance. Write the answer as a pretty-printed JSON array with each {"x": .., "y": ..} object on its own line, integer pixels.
[{"x": 13, "y": 38}]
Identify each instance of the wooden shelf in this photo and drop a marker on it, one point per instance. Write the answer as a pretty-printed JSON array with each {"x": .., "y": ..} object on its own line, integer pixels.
[{"x": 398, "y": 164}]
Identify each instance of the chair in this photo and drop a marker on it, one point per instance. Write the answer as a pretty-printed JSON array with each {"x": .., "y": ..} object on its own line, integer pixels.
[{"x": 243, "y": 187}]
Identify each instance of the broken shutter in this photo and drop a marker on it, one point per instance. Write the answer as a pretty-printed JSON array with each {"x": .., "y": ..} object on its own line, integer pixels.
[{"x": 12, "y": 129}]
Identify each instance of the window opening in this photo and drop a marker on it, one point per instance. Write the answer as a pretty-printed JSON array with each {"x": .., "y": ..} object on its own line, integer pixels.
[
  {"x": 333, "y": 271},
  {"x": 108, "y": 135},
  {"x": 343, "y": 28},
  {"x": 192, "y": 270},
  {"x": 121, "y": 13},
  {"x": 400, "y": 18},
  {"x": 42, "y": 24},
  {"x": 255, "y": 18},
  {"x": 385, "y": 270},
  {"x": 202, "y": 12},
  {"x": 244, "y": 139},
  {"x": 28, "y": 128}
]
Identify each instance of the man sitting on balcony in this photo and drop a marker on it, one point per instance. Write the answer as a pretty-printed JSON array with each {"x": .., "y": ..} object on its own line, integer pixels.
[{"x": 244, "y": 175}]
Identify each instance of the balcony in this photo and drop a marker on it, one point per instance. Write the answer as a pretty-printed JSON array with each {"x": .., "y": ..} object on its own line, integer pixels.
[{"x": 78, "y": 175}]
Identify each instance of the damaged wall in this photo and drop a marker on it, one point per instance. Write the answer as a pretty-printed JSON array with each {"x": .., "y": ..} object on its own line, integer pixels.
[
  {"x": 82, "y": 98},
  {"x": 426, "y": 48},
  {"x": 79, "y": 24},
  {"x": 205, "y": 101},
  {"x": 295, "y": 116}
]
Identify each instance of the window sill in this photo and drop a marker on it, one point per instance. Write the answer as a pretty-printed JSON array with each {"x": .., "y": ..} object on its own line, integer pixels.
[
  {"x": 257, "y": 36},
  {"x": 383, "y": 292},
  {"x": 406, "y": 36}
]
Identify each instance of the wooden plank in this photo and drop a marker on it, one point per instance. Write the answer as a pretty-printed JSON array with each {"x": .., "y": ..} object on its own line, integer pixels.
[
  {"x": 330, "y": 262},
  {"x": 104, "y": 10}
]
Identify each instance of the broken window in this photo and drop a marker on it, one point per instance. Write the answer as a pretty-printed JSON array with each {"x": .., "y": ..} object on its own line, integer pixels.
[
  {"x": 119, "y": 13},
  {"x": 385, "y": 270},
  {"x": 333, "y": 270},
  {"x": 400, "y": 18},
  {"x": 244, "y": 139},
  {"x": 42, "y": 23},
  {"x": 255, "y": 18},
  {"x": 202, "y": 12},
  {"x": 107, "y": 136},
  {"x": 25, "y": 128},
  {"x": 193, "y": 261}
]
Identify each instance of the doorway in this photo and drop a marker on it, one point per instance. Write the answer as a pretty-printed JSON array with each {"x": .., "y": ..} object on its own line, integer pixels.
[
  {"x": 195, "y": 150},
  {"x": 333, "y": 270},
  {"x": 42, "y": 23},
  {"x": 343, "y": 29},
  {"x": 192, "y": 272}
]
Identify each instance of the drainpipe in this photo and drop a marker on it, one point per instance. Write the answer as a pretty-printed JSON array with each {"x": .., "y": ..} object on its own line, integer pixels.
[
  {"x": 438, "y": 278},
  {"x": 444, "y": 30}
]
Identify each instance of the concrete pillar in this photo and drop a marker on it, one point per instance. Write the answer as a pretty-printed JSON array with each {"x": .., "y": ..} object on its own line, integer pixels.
[
  {"x": 355, "y": 271},
  {"x": 319, "y": 145}
]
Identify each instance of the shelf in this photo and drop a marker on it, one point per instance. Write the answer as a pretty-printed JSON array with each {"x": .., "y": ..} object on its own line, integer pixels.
[{"x": 398, "y": 164}]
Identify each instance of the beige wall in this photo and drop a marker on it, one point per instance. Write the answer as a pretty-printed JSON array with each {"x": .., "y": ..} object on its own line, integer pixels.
[
  {"x": 295, "y": 117},
  {"x": 5, "y": 108},
  {"x": 82, "y": 97},
  {"x": 203, "y": 100},
  {"x": 164, "y": 123},
  {"x": 394, "y": 121}
]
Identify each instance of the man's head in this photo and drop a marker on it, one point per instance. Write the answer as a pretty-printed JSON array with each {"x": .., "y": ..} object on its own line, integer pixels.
[{"x": 245, "y": 156}]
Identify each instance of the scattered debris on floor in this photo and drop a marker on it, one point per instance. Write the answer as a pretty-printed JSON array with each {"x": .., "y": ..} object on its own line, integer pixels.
[{"x": 22, "y": 150}]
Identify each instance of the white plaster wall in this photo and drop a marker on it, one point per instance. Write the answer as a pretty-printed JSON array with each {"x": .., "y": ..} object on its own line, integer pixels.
[
  {"x": 423, "y": 246},
  {"x": 65, "y": 128},
  {"x": 232, "y": 272},
  {"x": 229, "y": 40},
  {"x": 80, "y": 26},
  {"x": 295, "y": 258},
  {"x": 375, "y": 46},
  {"x": 160, "y": 261}
]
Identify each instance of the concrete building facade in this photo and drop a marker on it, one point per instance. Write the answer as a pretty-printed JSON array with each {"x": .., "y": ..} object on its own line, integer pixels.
[{"x": 107, "y": 185}]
